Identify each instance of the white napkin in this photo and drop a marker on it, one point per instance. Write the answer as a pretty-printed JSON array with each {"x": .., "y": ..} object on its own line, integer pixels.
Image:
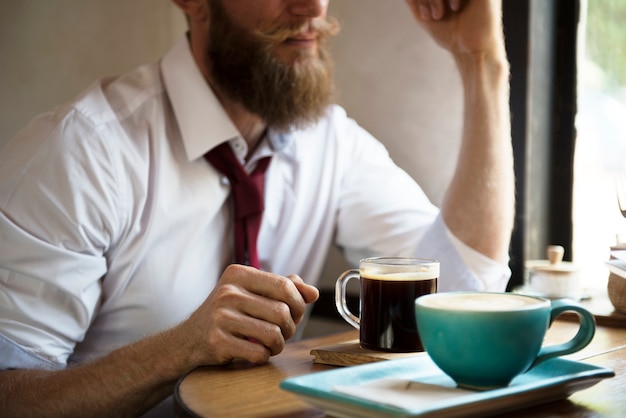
[
  {"x": 619, "y": 254},
  {"x": 406, "y": 394},
  {"x": 618, "y": 265}
]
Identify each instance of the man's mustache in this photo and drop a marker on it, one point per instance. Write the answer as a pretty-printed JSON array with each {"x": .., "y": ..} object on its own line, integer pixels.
[{"x": 278, "y": 33}]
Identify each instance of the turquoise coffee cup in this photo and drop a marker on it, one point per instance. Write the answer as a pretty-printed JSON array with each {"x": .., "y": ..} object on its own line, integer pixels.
[{"x": 483, "y": 340}]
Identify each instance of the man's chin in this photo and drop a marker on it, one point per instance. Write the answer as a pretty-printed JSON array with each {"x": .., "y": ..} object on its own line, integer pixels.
[{"x": 290, "y": 54}]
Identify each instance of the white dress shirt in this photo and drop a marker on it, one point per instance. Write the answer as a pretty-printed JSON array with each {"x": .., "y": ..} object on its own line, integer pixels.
[{"x": 113, "y": 226}]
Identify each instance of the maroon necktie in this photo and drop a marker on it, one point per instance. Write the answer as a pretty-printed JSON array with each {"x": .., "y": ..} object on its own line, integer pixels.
[{"x": 247, "y": 192}]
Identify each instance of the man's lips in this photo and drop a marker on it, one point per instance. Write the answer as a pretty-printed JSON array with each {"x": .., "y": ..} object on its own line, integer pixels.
[{"x": 304, "y": 39}]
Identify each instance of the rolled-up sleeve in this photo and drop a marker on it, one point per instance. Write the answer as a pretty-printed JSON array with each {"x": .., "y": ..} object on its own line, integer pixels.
[
  {"x": 41, "y": 318},
  {"x": 462, "y": 267},
  {"x": 14, "y": 356},
  {"x": 58, "y": 209}
]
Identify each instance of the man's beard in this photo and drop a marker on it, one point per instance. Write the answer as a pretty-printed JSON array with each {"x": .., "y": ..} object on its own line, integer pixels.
[{"x": 246, "y": 69}]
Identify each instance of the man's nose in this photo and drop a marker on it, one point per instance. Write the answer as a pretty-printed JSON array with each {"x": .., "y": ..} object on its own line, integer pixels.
[{"x": 308, "y": 8}]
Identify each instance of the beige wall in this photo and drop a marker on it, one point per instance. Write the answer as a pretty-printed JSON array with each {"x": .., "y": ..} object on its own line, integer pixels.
[
  {"x": 50, "y": 50},
  {"x": 392, "y": 78},
  {"x": 398, "y": 84}
]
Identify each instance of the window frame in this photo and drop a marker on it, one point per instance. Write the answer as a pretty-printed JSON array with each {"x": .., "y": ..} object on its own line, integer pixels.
[{"x": 541, "y": 42}]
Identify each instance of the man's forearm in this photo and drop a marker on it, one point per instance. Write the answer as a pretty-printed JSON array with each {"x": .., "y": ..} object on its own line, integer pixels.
[
  {"x": 480, "y": 202},
  {"x": 127, "y": 382}
]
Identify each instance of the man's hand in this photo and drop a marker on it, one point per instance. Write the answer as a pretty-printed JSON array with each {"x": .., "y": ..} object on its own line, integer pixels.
[
  {"x": 249, "y": 315},
  {"x": 462, "y": 26}
]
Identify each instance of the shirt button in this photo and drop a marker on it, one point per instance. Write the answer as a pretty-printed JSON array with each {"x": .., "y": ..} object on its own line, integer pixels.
[{"x": 224, "y": 180}]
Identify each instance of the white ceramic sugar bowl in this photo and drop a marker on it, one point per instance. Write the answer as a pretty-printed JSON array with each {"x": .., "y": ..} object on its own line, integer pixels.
[{"x": 554, "y": 278}]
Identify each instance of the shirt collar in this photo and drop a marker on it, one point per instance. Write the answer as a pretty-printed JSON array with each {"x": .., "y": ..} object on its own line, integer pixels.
[{"x": 202, "y": 120}]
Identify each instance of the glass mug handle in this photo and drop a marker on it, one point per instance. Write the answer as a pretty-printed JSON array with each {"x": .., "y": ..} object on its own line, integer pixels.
[
  {"x": 340, "y": 297},
  {"x": 582, "y": 338}
]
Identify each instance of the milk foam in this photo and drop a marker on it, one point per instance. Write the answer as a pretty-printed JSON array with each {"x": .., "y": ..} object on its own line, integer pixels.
[{"x": 481, "y": 302}]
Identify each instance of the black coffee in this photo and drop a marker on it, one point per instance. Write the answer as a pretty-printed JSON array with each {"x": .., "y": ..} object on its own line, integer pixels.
[{"x": 388, "y": 311}]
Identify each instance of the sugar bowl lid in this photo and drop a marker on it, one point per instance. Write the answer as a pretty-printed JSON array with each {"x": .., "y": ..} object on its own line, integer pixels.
[{"x": 554, "y": 263}]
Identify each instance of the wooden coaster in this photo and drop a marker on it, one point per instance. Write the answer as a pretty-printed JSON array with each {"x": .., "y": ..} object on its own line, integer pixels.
[{"x": 351, "y": 353}]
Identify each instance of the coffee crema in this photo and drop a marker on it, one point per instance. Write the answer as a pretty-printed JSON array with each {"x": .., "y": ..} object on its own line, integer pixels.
[
  {"x": 482, "y": 302},
  {"x": 400, "y": 276}
]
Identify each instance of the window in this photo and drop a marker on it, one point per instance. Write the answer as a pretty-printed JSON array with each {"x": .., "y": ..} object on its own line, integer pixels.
[
  {"x": 570, "y": 134},
  {"x": 600, "y": 157}
]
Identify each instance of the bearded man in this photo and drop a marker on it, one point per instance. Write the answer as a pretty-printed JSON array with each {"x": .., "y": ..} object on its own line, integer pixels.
[{"x": 123, "y": 254}]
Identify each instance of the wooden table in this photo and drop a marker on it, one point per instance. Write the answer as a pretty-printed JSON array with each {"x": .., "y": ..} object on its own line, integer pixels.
[{"x": 244, "y": 390}]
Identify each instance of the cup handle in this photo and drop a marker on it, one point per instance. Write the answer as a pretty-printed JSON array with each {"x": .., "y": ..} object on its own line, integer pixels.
[
  {"x": 585, "y": 333},
  {"x": 340, "y": 298}
]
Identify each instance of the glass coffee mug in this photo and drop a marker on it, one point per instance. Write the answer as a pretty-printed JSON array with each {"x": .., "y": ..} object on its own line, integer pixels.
[{"x": 389, "y": 287}]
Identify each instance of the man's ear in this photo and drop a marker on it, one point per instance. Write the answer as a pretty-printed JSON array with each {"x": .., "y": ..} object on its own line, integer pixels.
[{"x": 194, "y": 9}]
